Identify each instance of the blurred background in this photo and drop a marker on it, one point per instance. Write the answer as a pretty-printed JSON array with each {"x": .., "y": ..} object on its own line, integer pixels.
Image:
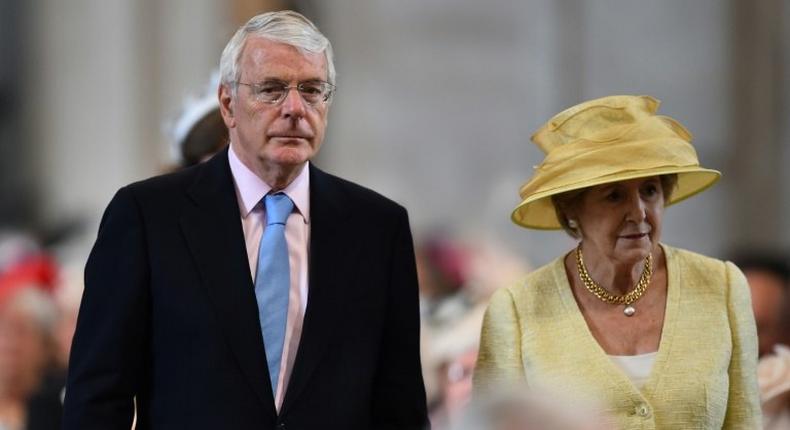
[{"x": 435, "y": 105}]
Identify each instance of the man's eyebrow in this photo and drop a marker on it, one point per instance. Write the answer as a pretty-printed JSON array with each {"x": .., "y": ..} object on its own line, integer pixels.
[
  {"x": 271, "y": 81},
  {"x": 285, "y": 82}
]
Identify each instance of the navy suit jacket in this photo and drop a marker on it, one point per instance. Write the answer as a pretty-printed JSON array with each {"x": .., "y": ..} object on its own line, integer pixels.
[{"x": 169, "y": 315}]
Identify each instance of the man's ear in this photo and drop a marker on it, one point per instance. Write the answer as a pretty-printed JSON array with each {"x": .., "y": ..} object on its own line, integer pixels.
[{"x": 226, "y": 99}]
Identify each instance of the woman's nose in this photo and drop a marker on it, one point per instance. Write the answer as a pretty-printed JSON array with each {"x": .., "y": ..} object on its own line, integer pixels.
[{"x": 636, "y": 209}]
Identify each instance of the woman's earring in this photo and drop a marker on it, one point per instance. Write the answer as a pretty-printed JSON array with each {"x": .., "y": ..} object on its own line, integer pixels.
[{"x": 572, "y": 223}]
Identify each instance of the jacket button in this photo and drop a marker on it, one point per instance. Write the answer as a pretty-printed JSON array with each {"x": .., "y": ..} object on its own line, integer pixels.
[{"x": 642, "y": 410}]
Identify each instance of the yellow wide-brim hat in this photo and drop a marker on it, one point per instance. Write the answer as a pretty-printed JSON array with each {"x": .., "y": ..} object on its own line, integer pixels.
[{"x": 606, "y": 140}]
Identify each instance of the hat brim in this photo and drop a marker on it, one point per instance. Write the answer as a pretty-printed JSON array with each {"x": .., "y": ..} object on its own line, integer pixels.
[{"x": 537, "y": 210}]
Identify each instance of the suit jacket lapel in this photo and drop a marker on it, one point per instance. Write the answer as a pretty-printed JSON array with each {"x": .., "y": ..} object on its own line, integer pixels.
[
  {"x": 331, "y": 254},
  {"x": 213, "y": 232}
]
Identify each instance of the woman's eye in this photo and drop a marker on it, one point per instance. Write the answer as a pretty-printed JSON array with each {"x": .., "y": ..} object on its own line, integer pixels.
[
  {"x": 613, "y": 196},
  {"x": 651, "y": 190}
]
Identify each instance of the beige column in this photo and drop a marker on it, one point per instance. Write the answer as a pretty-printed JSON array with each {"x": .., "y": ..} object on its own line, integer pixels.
[
  {"x": 243, "y": 10},
  {"x": 755, "y": 172}
]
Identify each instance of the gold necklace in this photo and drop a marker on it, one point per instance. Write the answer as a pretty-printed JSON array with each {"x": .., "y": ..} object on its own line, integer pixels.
[{"x": 600, "y": 292}]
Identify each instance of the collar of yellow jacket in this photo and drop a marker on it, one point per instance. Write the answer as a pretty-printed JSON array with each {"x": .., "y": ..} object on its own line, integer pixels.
[{"x": 606, "y": 140}]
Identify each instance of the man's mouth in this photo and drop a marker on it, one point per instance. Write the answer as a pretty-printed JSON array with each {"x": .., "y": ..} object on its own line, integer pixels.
[{"x": 289, "y": 136}]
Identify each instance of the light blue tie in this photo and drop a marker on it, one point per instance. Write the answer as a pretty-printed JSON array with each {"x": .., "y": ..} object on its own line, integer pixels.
[{"x": 273, "y": 281}]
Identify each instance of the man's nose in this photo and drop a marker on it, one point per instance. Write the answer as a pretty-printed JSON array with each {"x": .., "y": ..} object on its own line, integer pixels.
[{"x": 293, "y": 105}]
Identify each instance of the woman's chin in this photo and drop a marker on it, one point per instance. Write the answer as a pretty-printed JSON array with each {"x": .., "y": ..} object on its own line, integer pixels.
[{"x": 634, "y": 252}]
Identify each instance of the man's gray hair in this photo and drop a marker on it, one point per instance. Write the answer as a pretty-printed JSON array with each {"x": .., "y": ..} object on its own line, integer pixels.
[{"x": 285, "y": 26}]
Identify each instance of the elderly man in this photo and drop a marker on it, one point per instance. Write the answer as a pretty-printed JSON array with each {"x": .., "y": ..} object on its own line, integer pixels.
[{"x": 253, "y": 291}]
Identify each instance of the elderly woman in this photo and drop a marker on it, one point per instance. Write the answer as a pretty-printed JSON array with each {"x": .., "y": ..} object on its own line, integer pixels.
[{"x": 660, "y": 337}]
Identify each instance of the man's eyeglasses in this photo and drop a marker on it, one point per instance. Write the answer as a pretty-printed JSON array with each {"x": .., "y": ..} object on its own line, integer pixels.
[{"x": 274, "y": 92}]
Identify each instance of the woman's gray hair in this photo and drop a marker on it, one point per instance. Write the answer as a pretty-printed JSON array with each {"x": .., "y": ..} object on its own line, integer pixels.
[{"x": 285, "y": 26}]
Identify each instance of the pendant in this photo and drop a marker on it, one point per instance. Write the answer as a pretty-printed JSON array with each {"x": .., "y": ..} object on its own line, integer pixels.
[{"x": 629, "y": 311}]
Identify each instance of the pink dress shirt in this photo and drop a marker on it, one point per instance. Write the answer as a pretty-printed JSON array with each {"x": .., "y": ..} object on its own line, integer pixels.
[{"x": 250, "y": 190}]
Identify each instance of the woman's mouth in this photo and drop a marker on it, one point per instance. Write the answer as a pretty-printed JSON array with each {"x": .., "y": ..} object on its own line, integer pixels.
[{"x": 634, "y": 236}]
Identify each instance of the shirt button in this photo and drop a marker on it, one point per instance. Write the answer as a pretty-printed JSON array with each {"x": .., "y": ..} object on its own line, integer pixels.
[{"x": 642, "y": 410}]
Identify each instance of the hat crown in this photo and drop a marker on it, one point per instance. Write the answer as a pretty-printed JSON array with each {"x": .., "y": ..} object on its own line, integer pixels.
[{"x": 600, "y": 120}]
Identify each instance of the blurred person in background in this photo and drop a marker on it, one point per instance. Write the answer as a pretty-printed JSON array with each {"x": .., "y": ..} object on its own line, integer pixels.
[
  {"x": 451, "y": 358},
  {"x": 457, "y": 275},
  {"x": 515, "y": 406},
  {"x": 27, "y": 354},
  {"x": 199, "y": 132},
  {"x": 67, "y": 295},
  {"x": 441, "y": 270},
  {"x": 659, "y": 336},
  {"x": 773, "y": 376},
  {"x": 22, "y": 263},
  {"x": 442, "y": 265},
  {"x": 769, "y": 281},
  {"x": 253, "y": 291},
  {"x": 46, "y": 405},
  {"x": 30, "y": 321}
]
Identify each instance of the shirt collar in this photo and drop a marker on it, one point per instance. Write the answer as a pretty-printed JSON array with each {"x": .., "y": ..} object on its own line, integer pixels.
[{"x": 250, "y": 189}]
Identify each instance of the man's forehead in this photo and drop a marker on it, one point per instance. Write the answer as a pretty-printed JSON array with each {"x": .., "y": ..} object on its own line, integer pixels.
[{"x": 260, "y": 54}]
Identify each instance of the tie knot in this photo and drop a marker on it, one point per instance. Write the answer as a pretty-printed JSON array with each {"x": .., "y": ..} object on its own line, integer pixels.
[{"x": 278, "y": 207}]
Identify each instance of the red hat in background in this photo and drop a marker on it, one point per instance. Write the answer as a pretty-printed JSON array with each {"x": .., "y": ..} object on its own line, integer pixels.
[{"x": 23, "y": 264}]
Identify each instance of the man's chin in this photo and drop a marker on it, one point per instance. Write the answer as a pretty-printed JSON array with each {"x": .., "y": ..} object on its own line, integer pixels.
[{"x": 292, "y": 157}]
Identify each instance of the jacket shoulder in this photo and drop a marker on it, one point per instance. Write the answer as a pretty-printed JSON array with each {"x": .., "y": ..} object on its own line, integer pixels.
[
  {"x": 690, "y": 257},
  {"x": 161, "y": 197},
  {"x": 156, "y": 185},
  {"x": 541, "y": 280},
  {"x": 538, "y": 293},
  {"x": 693, "y": 262},
  {"x": 358, "y": 195},
  {"x": 707, "y": 273}
]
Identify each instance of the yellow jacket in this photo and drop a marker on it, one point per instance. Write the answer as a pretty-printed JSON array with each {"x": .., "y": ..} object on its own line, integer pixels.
[{"x": 704, "y": 375}]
